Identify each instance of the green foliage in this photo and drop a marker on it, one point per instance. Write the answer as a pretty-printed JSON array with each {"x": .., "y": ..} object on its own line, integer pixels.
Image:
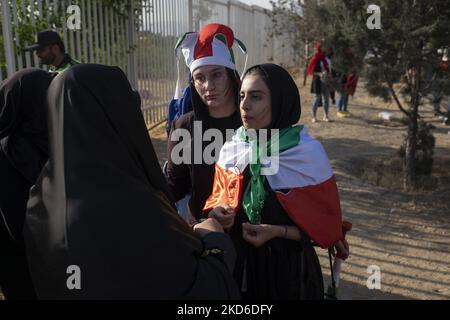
[
  {"x": 296, "y": 21},
  {"x": 398, "y": 60},
  {"x": 26, "y": 30},
  {"x": 411, "y": 34}
]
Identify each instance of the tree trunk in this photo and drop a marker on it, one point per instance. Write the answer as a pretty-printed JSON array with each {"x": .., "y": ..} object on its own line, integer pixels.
[{"x": 409, "y": 163}]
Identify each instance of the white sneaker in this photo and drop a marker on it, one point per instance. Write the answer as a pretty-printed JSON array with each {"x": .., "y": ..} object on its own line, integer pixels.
[
  {"x": 314, "y": 120},
  {"x": 326, "y": 119}
]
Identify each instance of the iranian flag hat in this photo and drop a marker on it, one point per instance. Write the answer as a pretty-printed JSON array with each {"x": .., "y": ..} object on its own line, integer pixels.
[{"x": 211, "y": 46}]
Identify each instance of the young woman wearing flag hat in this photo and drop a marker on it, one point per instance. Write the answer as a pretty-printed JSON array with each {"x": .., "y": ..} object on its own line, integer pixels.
[{"x": 215, "y": 88}]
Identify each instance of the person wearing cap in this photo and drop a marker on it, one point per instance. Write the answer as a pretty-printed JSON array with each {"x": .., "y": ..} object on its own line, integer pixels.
[
  {"x": 51, "y": 51},
  {"x": 215, "y": 94}
]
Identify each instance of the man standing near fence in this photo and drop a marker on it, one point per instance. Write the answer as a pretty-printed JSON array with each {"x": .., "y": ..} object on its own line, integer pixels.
[{"x": 51, "y": 51}]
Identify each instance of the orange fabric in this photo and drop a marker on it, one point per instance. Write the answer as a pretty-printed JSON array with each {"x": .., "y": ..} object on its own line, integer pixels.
[
  {"x": 316, "y": 210},
  {"x": 227, "y": 189}
]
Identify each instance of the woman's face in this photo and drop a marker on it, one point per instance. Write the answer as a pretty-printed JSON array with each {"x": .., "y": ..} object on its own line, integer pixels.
[
  {"x": 256, "y": 103},
  {"x": 213, "y": 85}
]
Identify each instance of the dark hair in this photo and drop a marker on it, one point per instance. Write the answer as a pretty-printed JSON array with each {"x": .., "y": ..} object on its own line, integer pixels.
[{"x": 257, "y": 70}]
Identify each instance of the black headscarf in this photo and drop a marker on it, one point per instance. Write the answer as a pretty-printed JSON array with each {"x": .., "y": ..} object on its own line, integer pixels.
[
  {"x": 103, "y": 205},
  {"x": 23, "y": 124},
  {"x": 286, "y": 105}
]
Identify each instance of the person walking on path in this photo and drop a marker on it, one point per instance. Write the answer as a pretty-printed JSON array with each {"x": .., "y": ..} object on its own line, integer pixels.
[{"x": 318, "y": 67}]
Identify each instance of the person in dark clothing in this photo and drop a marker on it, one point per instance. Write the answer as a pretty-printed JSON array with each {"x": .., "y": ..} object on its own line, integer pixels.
[
  {"x": 215, "y": 88},
  {"x": 103, "y": 205},
  {"x": 333, "y": 75},
  {"x": 274, "y": 214},
  {"x": 51, "y": 51},
  {"x": 23, "y": 153}
]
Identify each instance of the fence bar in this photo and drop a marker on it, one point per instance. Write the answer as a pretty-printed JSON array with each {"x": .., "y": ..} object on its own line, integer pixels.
[
  {"x": 89, "y": 30},
  {"x": 96, "y": 33},
  {"x": 16, "y": 34},
  {"x": 141, "y": 43},
  {"x": 102, "y": 35},
  {"x": 124, "y": 44},
  {"x": 7, "y": 38},
  {"x": 131, "y": 41},
  {"x": 84, "y": 35}
]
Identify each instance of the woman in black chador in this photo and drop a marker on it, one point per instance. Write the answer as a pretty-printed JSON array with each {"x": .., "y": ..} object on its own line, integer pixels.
[
  {"x": 102, "y": 205},
  {"x": 23, "y": 153}
]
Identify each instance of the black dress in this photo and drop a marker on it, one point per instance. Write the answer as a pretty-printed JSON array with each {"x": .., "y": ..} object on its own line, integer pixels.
[
  {"x": 281, "y": 269},
  {"x": 316, "y": 83}
]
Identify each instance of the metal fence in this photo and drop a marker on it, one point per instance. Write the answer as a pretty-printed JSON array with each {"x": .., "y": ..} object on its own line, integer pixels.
[{"x": 137, "y": 36}]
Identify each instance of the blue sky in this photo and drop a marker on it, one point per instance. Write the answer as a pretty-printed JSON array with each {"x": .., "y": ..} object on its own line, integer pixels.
[{"x": 261, "y": 3}]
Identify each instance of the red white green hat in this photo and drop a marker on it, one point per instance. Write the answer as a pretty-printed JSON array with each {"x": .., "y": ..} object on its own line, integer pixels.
[{"x": 211, "y": 46}]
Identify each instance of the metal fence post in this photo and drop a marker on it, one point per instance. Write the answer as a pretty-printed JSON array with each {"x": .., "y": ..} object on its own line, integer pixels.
[
  {"x": 228, "y": 13},
  {"x": 7, "y": 38},
  {"x": 132, "y": 58},
  {"x": 190, "y": 16}
]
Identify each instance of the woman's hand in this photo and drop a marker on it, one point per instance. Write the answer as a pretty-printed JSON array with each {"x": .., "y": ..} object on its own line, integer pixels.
[
  {"x": 224, "y": 215},
  {"x": 207, "y": 226},
  {"x": 342, "y": 249},
  {"x": 258, "y": 234}
]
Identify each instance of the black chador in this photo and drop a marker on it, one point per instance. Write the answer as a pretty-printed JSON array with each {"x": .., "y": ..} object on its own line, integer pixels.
[
  {"x": 23, "y": 153},
  {"x": 100, "y": 222}
]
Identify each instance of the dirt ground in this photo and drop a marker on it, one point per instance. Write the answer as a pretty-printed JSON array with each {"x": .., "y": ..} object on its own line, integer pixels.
[{"x": 407, "y": 235}]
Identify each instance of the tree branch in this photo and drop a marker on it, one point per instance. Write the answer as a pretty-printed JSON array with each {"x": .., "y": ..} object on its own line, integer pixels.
[{"x": 390, "y": 84}]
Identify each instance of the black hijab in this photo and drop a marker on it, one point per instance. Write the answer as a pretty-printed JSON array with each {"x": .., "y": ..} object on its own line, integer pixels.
[
  {"x": 103, "y": 205},
  {"x": 23, "y": 124},
  {"x": 286, "y": 105}
]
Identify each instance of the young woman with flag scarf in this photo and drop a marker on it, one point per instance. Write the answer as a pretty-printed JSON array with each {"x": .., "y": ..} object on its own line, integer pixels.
[
  {"x": 214, "y": 94},
  {"x": 274, "y": 217}
]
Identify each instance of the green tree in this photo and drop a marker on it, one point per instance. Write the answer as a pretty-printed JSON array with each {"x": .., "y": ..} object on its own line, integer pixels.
[
  {"x": 297, "y": 20},
  {"x": 26, "y": 30},
  {"x": 400, "y": 60}
]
